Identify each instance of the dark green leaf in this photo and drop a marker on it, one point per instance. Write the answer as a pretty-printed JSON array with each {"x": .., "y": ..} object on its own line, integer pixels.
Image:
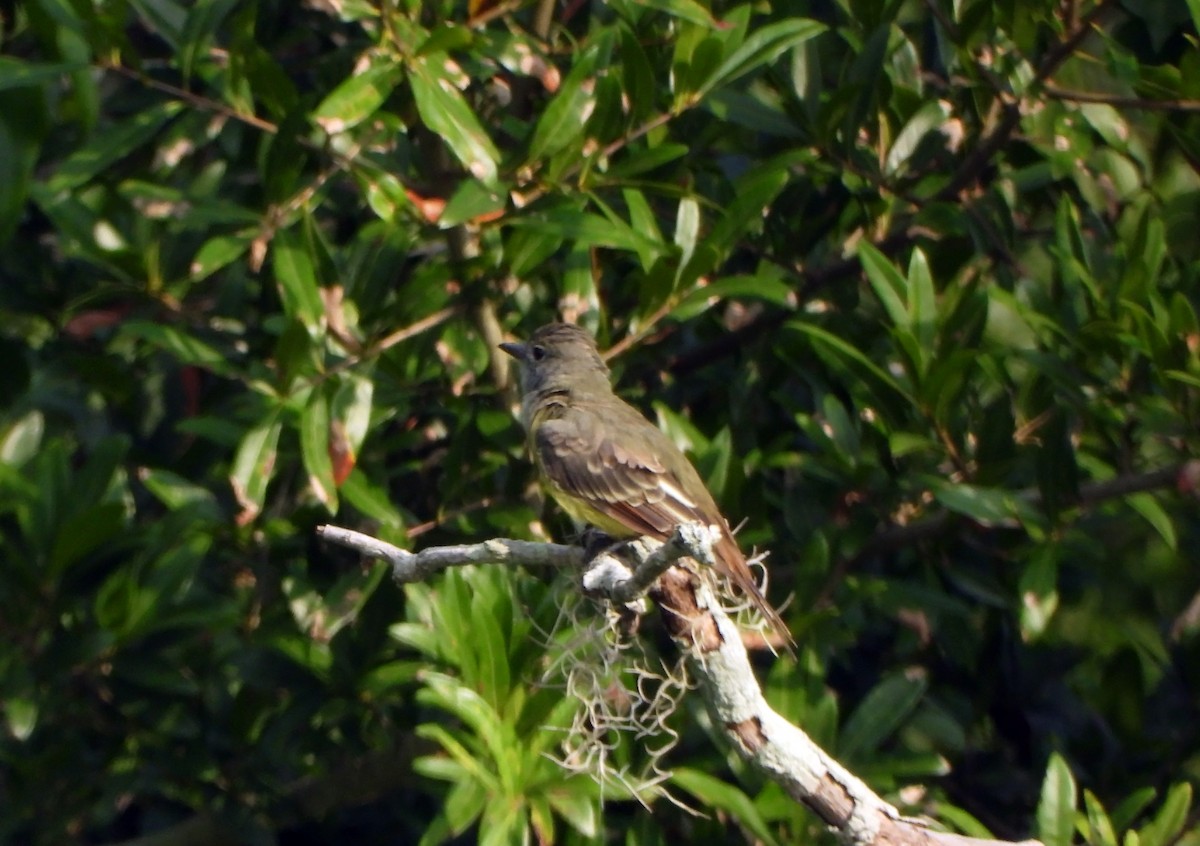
[
  {"x": 185, "y": 348},
  {"x": 715, "y": 793},
  {"x": 882, "y": 712},
  {"x": 764, "y": 287},
  {"x": 761, "y": 48},
  {"x": 1154, "y": 513},
  {"x": 219, "y": 252},
  {"x": 164, "y": 17},
  {"x": 987, "y": 506},
  {"x": 109, "y": 146},
  {"x": 15, "y": 73},
  {"x": 471, "y": 201},
  {"x": 591, "y": 229},
  {"x": 848, "y": 352},
  {"x": 176, "y": 492},
  {"x": 86, "y": 531},
  {"x": 199, "y": 28}
]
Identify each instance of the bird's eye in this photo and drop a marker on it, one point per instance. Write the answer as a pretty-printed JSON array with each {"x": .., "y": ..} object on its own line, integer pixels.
[{"x": 538, "y": 352}]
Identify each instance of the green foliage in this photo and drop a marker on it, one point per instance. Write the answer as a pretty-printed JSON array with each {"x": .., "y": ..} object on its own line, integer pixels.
[
  {"x": 1059, "y": 819},
  {"x": 916, "y": 283},
  {"x": 499, "y": 757}
]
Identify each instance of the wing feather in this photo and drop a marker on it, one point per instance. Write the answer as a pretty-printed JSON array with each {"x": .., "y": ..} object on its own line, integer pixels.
[
  {"x": 614, "y": 466},
  {"x": 629, "y": 485}
]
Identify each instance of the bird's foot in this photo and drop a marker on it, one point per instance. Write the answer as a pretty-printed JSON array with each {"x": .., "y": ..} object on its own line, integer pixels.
[{"x": 595, "y": 541}]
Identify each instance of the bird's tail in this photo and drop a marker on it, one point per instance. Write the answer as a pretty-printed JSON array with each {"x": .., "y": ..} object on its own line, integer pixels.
[{"x": 731, "y": 563}]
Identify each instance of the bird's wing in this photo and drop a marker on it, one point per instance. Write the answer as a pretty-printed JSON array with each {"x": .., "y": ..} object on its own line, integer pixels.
[
  {"x": 617, "y": 472},
  {"x": 624, "y": 468}
]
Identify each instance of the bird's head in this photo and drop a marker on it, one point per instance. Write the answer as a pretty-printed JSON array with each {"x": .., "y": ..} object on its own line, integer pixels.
[{"x": 559, "y": 356}]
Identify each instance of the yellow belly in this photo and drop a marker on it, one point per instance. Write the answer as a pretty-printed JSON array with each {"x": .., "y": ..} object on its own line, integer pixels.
[{"x": 585, "y": 515}]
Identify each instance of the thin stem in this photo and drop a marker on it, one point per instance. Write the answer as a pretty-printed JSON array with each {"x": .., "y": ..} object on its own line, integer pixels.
[
  {"x": 198, "y": 101},
  {"x": 1119, "y": 101}
]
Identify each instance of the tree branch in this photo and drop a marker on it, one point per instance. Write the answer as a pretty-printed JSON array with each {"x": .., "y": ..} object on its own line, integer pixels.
[
  {"x": 415, "y": 567},
  {"x": 718, "y": 661}
]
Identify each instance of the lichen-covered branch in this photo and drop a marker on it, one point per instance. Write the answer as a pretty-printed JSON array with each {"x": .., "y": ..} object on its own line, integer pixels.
[
  {"x": 417, "y": 566},
  {"x": 718, "y": 660}
]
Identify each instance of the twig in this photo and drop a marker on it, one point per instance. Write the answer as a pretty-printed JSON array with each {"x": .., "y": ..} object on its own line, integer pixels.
[
  {"x": 499, "y": 10},
  {"x": 195, "y": 100},
  {"x": 1123, "y": 102},
  {"x": 429, "y": 525},
  {"x": 604, "y": 574},
  {"x": 628, "y": 341},
  {"x": 543, "y": 17}
]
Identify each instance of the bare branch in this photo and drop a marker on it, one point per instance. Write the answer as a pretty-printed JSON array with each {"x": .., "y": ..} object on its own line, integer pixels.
[{"x": 413, "y": 567}]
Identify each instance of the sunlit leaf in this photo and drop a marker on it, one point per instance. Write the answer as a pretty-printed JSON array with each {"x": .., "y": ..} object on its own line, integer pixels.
[
  {"x": 357, "y": 98},
  {"x": 565, "y": 116},
  {"x": 688, "y": 10},
  {"x": 315, "y": 448},
  {"x": 254, "y": 465},
  {"x": 928, "y": 119},
  {"x": 1056, "y": 808},
  {"x": 296, "y": 276},
  {"x": 1102, "y": 831},
  {"x": 887, "y": 282},
  {"x": 446, "y": 112},
  {"x": 20, "y": 441},
  {"x": 1171, "y": 817}
]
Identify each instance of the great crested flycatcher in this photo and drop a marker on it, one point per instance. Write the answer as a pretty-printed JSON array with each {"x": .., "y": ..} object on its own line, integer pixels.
[{"x": 605, "y": 463}]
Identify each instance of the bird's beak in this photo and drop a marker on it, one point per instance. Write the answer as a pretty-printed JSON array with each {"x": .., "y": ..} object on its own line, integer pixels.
[{"x": 516, "y": 350}]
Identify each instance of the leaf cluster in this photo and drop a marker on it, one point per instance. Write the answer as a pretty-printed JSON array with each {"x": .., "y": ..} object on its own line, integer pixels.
[{"x": 915, "y": 284}]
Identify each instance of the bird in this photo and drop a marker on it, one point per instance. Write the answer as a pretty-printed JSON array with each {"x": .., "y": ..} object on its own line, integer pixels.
[{"x": 606, "y": 464}]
